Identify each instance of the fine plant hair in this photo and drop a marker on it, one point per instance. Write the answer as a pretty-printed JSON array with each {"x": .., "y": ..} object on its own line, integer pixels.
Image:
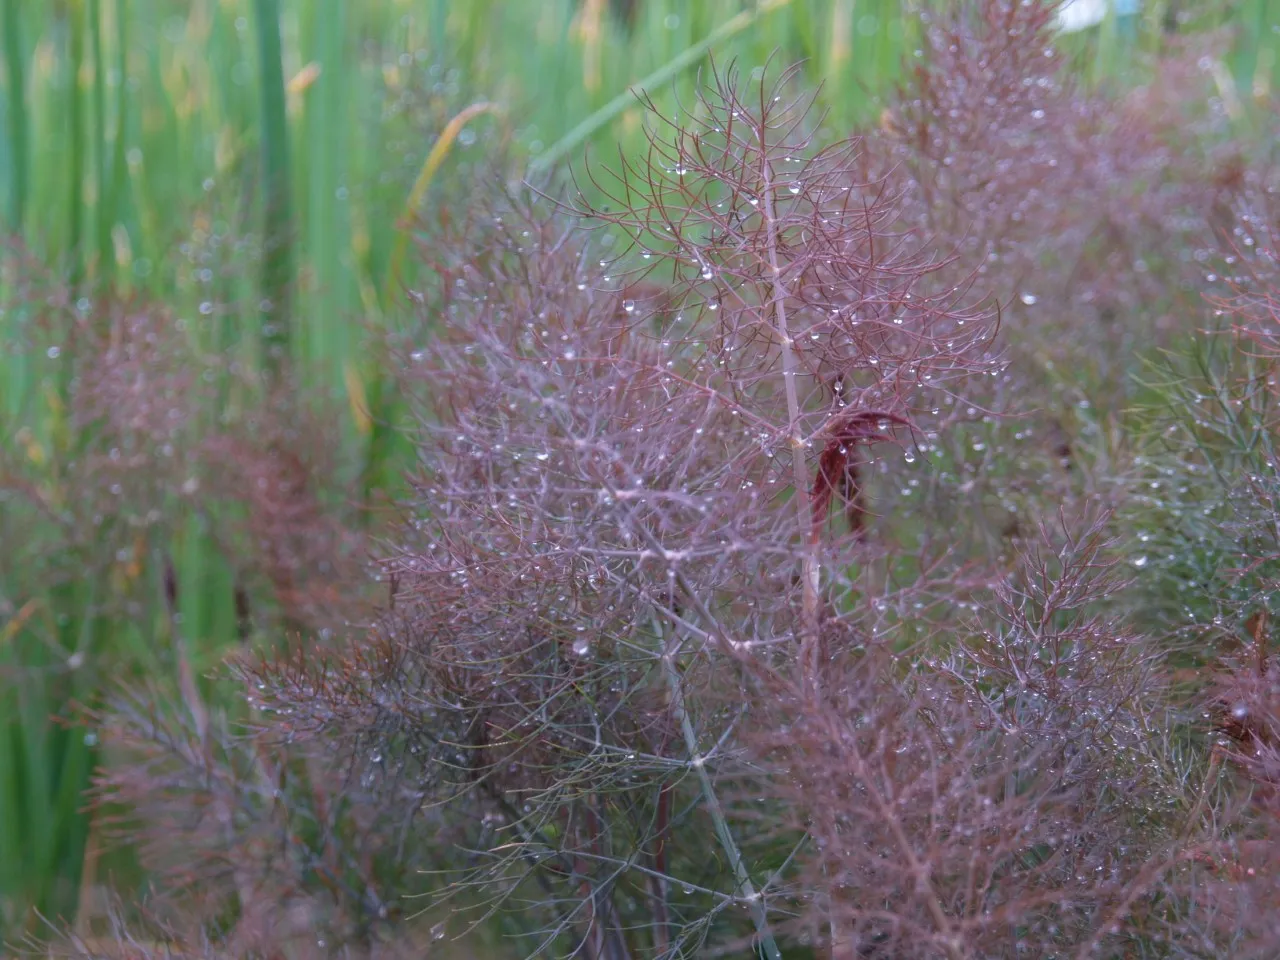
[
  {"x": 1083, "y": 209},
  {"x": 623, "y": 511},
  {"x": 1216, "y": 533},
  {"x": 155, "y": 448},
  {"x": 979, "y": 788},
  {"x": 1089, "y": 218},
  {"x": 665, "y": 668}
]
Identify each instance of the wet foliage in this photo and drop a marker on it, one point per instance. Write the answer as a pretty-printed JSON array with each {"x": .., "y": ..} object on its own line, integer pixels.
[{"x": 849, "y": 549}]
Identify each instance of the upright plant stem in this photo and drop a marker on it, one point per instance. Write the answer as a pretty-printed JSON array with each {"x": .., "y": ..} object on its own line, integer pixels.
[
  {"x": 327, "y": 140},
  {"x": 17, "y": 79},
  {"x": 277, "y": 253},
  {"x": 741, "y": 876},
  {"x": 810, "y": 665},
  {"x": 75, "y": 143},
  {"x": 115, "y": 207},
  {"x": 102, "y": 221},
  {"x": 810, "y": 642}
]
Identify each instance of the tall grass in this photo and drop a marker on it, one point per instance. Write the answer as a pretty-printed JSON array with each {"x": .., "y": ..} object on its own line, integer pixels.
[
  {"x": 73, "y": 181},
  {"x": 135, "y": 130},
  {"x": 16, "y": 85},
  {"x": 277, "y": 232}
]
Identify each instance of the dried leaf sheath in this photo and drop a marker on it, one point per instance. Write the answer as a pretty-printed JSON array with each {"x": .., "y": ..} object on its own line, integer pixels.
[{"x": 837, "y": 470}]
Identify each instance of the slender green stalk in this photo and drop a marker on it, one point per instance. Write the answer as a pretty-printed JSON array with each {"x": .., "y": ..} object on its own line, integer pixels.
[
  {"x": 102, "y": 222},
  {"x": 327, "y": 142},
  {"x": 113, "y": 206},
  {"x": 75, "y": 141},
  {"x": 15, "y": 62},
  {"x": 687, "y": 58},
  {"x": 277, "y": 255},
  {"x": 746, "y": 888}
]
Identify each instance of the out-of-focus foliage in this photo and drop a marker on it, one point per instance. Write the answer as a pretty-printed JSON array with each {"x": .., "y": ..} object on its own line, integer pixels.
[{"x": 762, "y": 539}]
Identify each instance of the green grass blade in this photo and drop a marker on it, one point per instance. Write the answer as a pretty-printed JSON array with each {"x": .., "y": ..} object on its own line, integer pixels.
[
  {"x": 16, "y": 77},
  {"x": 114, "y": 200},
  {"x": 326, "y": 142},
  {"x": 102, "y": 225},
  {"x": 277, "y": 257},
  {"x": 691, "y": 55},
  {"x": 75, "y": 140}
]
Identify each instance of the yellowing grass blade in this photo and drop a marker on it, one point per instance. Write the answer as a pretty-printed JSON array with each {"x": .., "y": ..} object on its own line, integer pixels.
[
  {"x": 420, "y": 185},
  {"x": 357, "y": 398},
  {"x": 19, "y": 621}
]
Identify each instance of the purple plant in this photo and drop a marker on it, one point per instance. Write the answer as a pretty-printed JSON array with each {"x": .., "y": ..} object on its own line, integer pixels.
[{"x": 666, "y": 666}]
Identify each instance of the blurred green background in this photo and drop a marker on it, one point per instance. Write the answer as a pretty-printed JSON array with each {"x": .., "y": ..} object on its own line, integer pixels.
[{"x": 213, "y": 155}]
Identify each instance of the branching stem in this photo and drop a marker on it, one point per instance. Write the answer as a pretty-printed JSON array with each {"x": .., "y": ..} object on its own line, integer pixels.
[
  {"x": 746, "y": 888},
  {"x": 811, "y": 571}
]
